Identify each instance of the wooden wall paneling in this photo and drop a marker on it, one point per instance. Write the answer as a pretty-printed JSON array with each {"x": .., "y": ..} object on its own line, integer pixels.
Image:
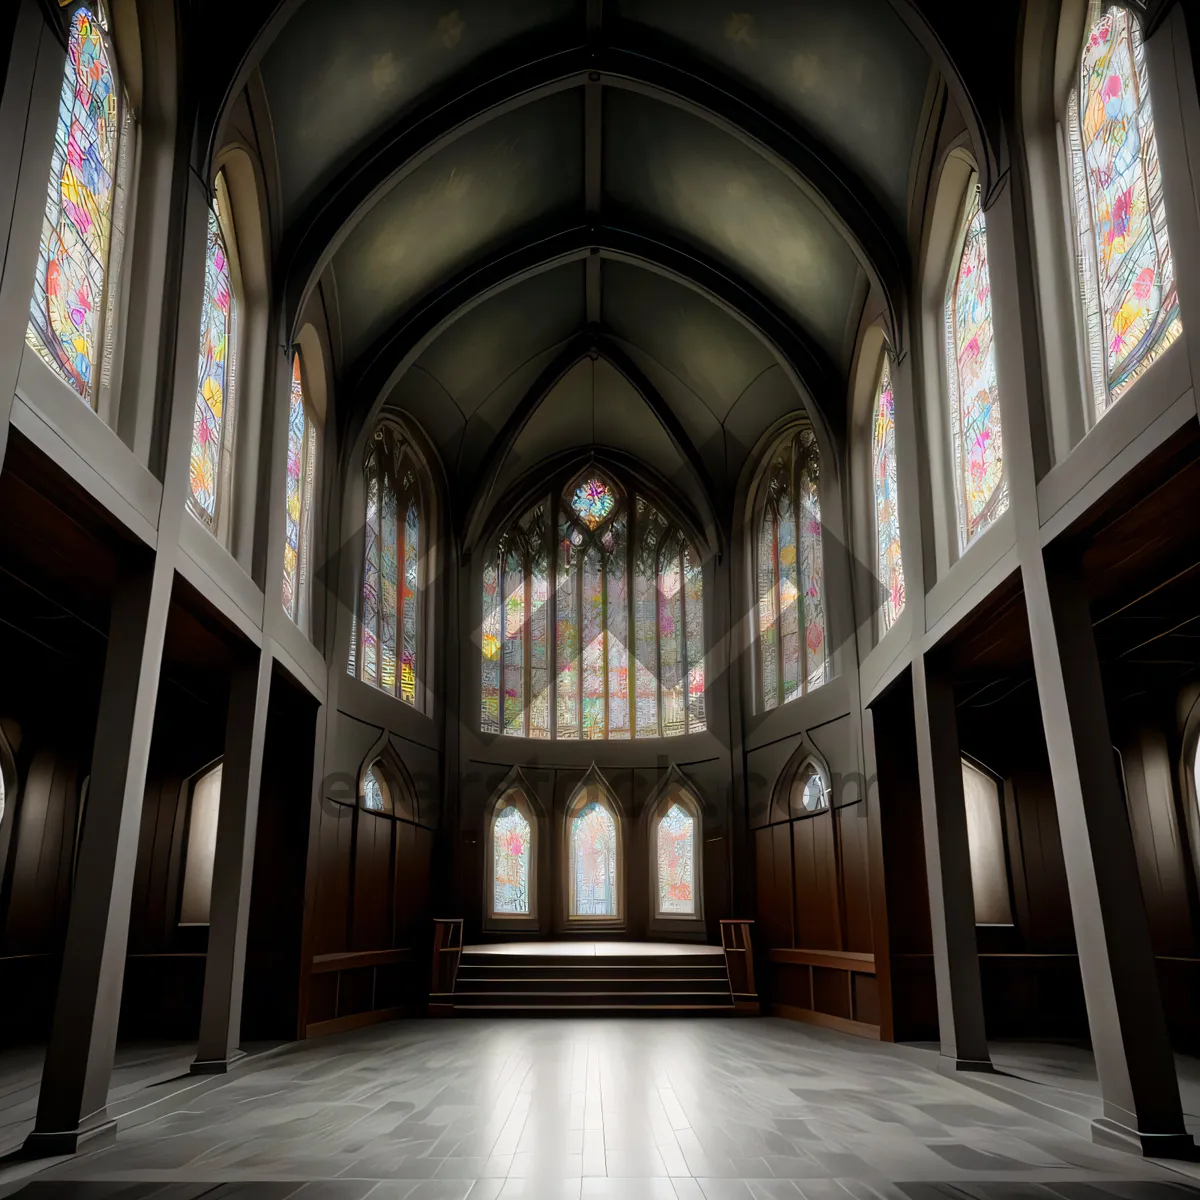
[
  {"x": 851, "y": 831},
  {"x": 332, "y": 916},
  {"x": 817, "y": 921},
  {"x": 370, "y": 888}
]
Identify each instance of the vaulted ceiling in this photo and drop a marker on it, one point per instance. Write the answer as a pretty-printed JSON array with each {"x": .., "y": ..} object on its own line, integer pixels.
[{"x": 640, "y": 225}]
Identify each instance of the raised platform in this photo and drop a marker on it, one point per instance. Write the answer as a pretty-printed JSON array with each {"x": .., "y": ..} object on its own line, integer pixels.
[{"x": 586, "y": 977}]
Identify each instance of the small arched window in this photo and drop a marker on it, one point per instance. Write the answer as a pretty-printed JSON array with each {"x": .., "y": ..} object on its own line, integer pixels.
[
  {"x": 625, "y": 587},
  {"x": 214, "y": 420},
  {"x": 594, "y": 853},
  {"x": 301, "y": 468},
  {"x": 676, "y": 841},
  {"x": 386, "y": 641},
  {"x": 790, "y": 573},
  {"x": 71, "y": 325},
  {"x": 809, "y": 791},
  {"x": 977, "y": 450},
  {"x": 512, "y": 857},
  {"x": 376, "y": 795},
  {"x": 1126, "y": 270},
  {"x": 386, "y": 788},
  {"x": 889, "y": 562}
]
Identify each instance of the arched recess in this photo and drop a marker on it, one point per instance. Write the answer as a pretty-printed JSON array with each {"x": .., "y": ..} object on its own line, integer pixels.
[
  {"x": 385, "y": 786},
  {"x": 674, "y": 837},
  {"x": 593, "y": 855},
  {"x": 804, "y": 787},
  {"x": 356, "y": 546},
  {"x": 514, "y": 817},
  {"x": 239, "y": 185}
]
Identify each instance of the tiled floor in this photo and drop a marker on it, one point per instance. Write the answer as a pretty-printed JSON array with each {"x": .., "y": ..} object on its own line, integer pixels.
[{"x": 665, "y": 1109}]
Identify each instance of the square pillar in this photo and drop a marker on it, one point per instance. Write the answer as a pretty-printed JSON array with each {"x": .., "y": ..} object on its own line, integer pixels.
[
  {"x": 948, "y": 867},
  {"x": 233, "y": 866}
]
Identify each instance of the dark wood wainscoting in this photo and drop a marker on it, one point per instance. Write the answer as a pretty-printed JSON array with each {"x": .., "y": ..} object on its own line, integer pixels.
[{"x": 832, "y": 988}]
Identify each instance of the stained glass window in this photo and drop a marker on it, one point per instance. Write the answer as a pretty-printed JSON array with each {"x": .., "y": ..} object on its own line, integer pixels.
[
  {"x": 75, "y": 283},
  {"x": 888, "y": 561},
  {"x": 808, "y": 792},
  {"x": 512, "y": 840},
  {"x": 611, "y": 594},
  {"x": 793, "y": 656},
  {"x": 373, "y": 792},
  {"x": 213, "y": 420},
  {"x": 980, "y": 486},
  {"x": 676, "y": 859},
  {"x": 301, "y": 466},
  {"x": 386, "y": 642},
  {"x": 1126, "y": 270},
  {"x": 593, "y": 844}
]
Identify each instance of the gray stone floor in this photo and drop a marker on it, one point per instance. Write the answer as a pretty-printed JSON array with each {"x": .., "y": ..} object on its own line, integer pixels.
[{"x": 662, "y": 1109}]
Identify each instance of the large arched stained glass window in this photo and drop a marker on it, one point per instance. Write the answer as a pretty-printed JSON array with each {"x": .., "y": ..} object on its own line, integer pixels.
[
  {"x": 594, "y": 859},
  {"x": 213, "y": 419},
  {"x": 301, "y": 467},
  {"x": 888, "y": 560},
  {"x": 593, "y": 620},
  {"x": 980, "y": 485},
  {"x": 75, "y": 284},
  {"x": 1127, "y": 273},
  {"x": 385, "y": 643},
  {"x": 675, "y": 862},
  {"x": 512, "y": 846},
  {"x": 790, "y": 574}
]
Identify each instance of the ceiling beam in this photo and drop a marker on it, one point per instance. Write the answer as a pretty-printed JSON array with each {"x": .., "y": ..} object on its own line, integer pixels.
[{"x": 500, "y": 87}]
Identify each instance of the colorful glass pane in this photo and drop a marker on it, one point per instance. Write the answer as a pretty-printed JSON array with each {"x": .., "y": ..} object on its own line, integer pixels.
[
  {"x": 70, "y": 278},
  {"x": 693, "y": 604},
  {"x": 511, "y": 841},
  {"x": 670, "y": 640},
  {"x": 888, "y": 560},
  {"x": 489, "y": 721},
  {"x": 408, "y": 623},
  {"x": 593, "y": 502},
  {"x": 539, "y": 627},
  {"x": 1127, "y": 272},
  {"x": 370, "y": 597},
  {"x": 593, "y": 862},
  {"x": 593, "y": 650},
  {"x": 676, "y": 855},
  {"x": 389, "y": 588},
  {"x": 617, "y": 632},
  {"x": 768, "y": 629},
  {"x": 650, "y": 530},
  {"x": 980, "y": 486},
  {"x": 294, "y": 492},
  {"x": 514, "y": 644},
  {"x": 566, "y": 600},
  {"x": 789, "y": 601},
  {"x": 812, "y": 560},
  {"x": 373, "y": 792},
  {"x": 211, "y": 424}
]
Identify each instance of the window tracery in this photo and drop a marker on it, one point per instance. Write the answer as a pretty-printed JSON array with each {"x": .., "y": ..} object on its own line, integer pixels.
[
  {"x": 594, "y": 853},
  {"x": 593, "y": 620},
  {"x": 676, "y": 841}
]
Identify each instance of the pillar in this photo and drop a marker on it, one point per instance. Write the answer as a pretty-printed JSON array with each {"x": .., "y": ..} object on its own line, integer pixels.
[
  {"x": 233, "y": 865},
  {"x": 948, "y": 867}
]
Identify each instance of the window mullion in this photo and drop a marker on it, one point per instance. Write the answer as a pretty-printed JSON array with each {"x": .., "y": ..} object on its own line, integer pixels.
[{"x": 527, "y": 649}]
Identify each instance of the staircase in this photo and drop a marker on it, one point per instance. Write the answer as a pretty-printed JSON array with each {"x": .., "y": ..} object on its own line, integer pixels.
[{"x": 534, "y": 984}]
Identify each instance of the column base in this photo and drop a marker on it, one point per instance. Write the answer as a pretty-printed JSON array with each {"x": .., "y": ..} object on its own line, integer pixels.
[
  {"x": 1107, "y": 1132},
  {"x": 54, "y": 1143},
  {"x": 949, "y": 1065},
  {"x": 216, "y": 1066}
]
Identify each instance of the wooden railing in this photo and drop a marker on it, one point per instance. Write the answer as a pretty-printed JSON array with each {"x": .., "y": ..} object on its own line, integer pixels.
[
  {"x": 447, "y": 950},
  {"x": 739, "y": 962},
  {"x": 825, "y": 987},
  {"x": 356, "y": 960}
]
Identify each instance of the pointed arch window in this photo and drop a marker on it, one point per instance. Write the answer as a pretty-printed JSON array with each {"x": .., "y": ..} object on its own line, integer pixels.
[
  {"x": 790, "y": 573},
  {"x": 214, "y": 419},
  {"x": 1125, "y": 266},
  {"x": 594, "y": 856},
  {"x": 71, "y": 322},
  {"x": 980, "y": 484},
  {"x": 513, "y": 859},
  {"x": 676, "y": 842},
  {"x": 386, "y": 639},
  {"x": 889, "y": 562},
  {"x": 593, "y": 620},
  {"x": 301, "y": 468}
]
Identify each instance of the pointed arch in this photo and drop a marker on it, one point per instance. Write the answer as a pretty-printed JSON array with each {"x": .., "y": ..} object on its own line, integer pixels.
[
  {"x": 299, "y": 484},
  {"x": 594, "y": 854},
  {"x": 385, "y": 786},
  {"x": 804, "y": 787},
  {"x": 513, "y": 819},
  {"x": 789, "y": 571},
  {"x": 592, "y": 617},
  {"x": 675, "y": 837}
]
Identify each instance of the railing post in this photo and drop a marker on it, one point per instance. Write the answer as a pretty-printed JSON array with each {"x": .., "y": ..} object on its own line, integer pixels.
[{"x": 739, "y": 963}]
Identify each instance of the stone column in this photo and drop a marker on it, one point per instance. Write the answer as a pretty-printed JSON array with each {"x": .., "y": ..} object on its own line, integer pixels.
[
  {"x": 233, "y": 865},
  {"x": 948, "y": 867}
]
